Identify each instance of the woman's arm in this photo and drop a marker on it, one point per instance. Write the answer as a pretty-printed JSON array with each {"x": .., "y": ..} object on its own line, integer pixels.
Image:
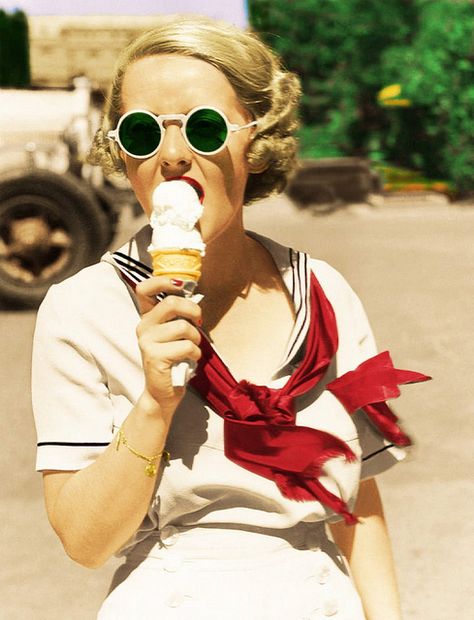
[
  {"x": 368, "y": 551},
  {"x": 96, "y": 510}
]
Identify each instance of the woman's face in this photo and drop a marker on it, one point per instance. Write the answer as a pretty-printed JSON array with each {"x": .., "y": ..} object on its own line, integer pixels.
[{"x": 173, "y": 84}]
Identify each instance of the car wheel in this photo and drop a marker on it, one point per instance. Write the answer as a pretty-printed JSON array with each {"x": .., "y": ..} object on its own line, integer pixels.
[{"x": 50, "y": 227}]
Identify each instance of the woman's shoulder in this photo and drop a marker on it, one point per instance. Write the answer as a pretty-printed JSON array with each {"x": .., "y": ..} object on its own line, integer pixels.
[
  {"x": 347, "y": 305},
  {"x": 87, "y": 282},
  {"x": 332, "y": 280},
  {"x": 92, "y": 290}
]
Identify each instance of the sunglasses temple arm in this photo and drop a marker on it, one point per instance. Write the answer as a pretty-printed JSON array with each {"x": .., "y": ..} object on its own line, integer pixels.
[{"x": 239, "y": 127}]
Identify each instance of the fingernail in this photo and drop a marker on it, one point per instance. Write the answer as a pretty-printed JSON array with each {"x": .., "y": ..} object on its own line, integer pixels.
[{"x": 176, "y": 282}]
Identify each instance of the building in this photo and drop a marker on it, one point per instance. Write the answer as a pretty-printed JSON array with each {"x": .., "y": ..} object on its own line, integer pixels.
[{"x": 63, "y": 47}]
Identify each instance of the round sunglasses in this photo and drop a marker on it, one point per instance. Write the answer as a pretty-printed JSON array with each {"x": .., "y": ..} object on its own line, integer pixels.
[{"x": 139, "y": 133}]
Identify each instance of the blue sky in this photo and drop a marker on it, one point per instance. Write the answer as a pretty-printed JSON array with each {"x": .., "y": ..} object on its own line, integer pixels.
[{"x": 231, "y": 10}]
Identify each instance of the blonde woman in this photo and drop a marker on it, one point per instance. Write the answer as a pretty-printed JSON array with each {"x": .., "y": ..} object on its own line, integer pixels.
[{"x": 217, "y": 495}]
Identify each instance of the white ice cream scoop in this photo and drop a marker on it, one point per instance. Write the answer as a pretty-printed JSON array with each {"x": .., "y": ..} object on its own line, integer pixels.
[{"x": 176, "y": 211}]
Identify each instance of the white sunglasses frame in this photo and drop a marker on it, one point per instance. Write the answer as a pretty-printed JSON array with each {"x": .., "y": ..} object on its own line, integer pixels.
[{"x": 113, "y": 134}]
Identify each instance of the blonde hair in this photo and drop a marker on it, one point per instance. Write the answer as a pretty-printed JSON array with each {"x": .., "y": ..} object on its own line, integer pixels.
[{"x": 263, "y": 86}]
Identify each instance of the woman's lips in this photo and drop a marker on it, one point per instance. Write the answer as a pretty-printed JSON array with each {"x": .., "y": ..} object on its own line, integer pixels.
[{"x": 194, "y": 184}]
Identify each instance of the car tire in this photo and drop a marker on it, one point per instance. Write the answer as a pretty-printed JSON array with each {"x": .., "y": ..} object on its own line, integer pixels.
[{"x": 51, "y": 226}]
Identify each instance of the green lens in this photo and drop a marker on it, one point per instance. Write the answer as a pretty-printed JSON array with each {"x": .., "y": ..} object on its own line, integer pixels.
[
  {"x": 206, "y": 130},
  {"x": 139, "y": 133}
]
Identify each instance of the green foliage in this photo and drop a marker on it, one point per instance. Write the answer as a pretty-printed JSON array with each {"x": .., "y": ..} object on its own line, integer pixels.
[
  {"x": 14, "y": 49},
  {"x": 437, "y": 73},
  {"x": 346, "y": 51}
]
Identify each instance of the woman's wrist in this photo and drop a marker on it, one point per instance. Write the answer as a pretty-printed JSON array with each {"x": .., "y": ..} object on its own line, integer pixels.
[
  {"x": 146, "y": 428},
  {"x": 147, "y": 405},
  {"x": 150, "y": 410}
]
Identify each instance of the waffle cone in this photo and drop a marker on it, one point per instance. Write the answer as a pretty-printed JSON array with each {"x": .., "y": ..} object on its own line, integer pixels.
[{"x": 177, "y": 263}]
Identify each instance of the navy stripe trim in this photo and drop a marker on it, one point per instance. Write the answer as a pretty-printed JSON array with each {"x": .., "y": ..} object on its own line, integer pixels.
[
  {"x": 130, "y": 275},
  {"x": 378, "y": 452},
  {"x": 132, "y": 260},
  {"x": 72, "y": 443},
  {"x": 299, "y": 293},
  {"x": 132, "y": 268},
  {"x": 298, "y": 340},
  {"x": 300, "y": 281},
  {"x": 132, "y": 279},
  {"x": 293, "y": 277},
  {"x": 303, "y": 291}
]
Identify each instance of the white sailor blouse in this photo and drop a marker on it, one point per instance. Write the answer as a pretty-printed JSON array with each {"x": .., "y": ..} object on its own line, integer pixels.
[{"x": 87, "y": 375}]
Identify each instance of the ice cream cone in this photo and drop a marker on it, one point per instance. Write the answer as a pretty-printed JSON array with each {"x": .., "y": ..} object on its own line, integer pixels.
[
  {"x": 176, "y": 247},
  {"x": 177, "y": 263}
]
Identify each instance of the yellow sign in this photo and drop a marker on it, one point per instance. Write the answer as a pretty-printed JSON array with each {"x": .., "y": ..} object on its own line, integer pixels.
[{"x": 390, "y": 96}]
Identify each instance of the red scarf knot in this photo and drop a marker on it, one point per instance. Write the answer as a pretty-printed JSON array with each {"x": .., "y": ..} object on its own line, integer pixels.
[
  {"x": 369, "y": 386},
  {"x": 259, "y": 403}
]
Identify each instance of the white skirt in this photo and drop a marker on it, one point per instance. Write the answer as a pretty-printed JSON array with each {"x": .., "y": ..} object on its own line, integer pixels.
[{"x": 227, "y": 573}]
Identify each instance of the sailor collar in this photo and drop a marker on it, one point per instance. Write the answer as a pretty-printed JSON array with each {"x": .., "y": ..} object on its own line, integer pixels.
[{"x": 133, "y": 262}]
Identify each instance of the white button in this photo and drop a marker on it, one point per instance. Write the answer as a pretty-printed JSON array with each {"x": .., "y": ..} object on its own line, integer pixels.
[
  {"x": 169, "y": 535},
  {"x": 323, "y": 575},
  {"x": 175, "y": 600},
  {"x": 172, "y": 563},
  {"x": 330, "y": 607}
]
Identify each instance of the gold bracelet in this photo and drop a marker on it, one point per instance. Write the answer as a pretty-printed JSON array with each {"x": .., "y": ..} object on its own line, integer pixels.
[{"x": 151, "y": 467}]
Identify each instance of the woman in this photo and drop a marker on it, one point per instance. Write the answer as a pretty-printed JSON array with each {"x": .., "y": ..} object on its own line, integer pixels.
[{"x": 234, "y": 526}]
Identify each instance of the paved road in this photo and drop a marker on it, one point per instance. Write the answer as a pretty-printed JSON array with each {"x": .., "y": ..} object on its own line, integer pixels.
[{"x": 413, "y": 269}]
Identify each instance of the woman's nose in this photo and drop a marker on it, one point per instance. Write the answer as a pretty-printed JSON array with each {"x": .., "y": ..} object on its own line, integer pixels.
[{"x": 174, "y": 151}]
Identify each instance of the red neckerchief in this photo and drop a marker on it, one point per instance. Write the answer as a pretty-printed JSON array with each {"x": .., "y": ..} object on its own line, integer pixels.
[{"x": 260, "y": 433}]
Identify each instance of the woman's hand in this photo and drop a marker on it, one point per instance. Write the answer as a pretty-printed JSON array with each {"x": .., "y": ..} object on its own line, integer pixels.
[{"x": 167, "y": 334}]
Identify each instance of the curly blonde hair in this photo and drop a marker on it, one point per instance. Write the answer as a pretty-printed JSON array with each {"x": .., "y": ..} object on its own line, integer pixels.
[{"x": 264, "y": 87}]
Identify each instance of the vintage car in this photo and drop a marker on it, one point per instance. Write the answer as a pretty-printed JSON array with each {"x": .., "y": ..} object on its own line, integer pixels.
[{"x": 57, "y": 213}]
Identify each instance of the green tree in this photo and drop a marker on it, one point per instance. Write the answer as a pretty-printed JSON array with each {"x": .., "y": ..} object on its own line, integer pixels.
[
  {"x": 335, "y": 47},
  {"x": 345, "y": 52},
  {"x": 3, "y": 46},
  {"x": 14, "y": 49},
  {"x": 437, "y": 74}
]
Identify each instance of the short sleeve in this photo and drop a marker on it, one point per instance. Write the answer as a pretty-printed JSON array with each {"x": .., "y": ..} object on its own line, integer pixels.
[
  {"x": 357, "y": 344},
  {"x": 72, "y": 409}
]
